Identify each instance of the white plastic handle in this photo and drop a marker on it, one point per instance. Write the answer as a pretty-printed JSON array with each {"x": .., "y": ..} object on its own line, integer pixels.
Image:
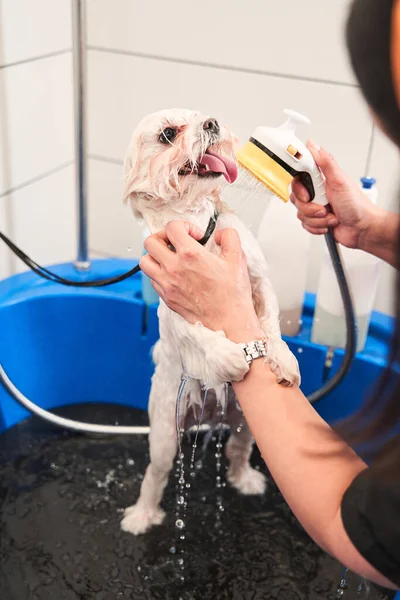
[
  {"x": 319, "y": 185},
  {"x": 317, "y": 177},
  {"x": 307, "y": 162}
]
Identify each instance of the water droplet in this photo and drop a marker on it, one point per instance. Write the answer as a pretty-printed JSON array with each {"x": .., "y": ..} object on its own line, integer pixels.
[
  {"x": 188, "y": 485},
  {"x": 179, "y": 524},
  {"x": 182, "y": 537},
  {"x": 221, "y": 508},
  {"x": 130, "y": 462},
  {"x": 181, "y": 480},
  {"x": 192, "y": 474},
  {"x": 239, "y": 429},
  {"x": 300, "y": 350},
  {"x": 180, "y": 561},
  {"x": 139, "y": 568},
  {"x": 172, "y": 550},
  {"x": 129, "y": 248},
  {"x": 181, "y": 500}
]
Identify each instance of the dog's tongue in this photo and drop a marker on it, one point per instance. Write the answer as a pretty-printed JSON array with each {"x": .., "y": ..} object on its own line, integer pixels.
[{"x": 220, "y": 164}]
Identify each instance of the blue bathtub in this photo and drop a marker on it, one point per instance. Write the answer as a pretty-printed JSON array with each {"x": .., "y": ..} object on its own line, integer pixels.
[{"x": 62, "y": 345}]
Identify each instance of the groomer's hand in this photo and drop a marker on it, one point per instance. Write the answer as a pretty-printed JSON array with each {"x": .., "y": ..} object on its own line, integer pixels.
[
  {"x": 352, "y": 212},
  {"x": 199, "y": 285}
]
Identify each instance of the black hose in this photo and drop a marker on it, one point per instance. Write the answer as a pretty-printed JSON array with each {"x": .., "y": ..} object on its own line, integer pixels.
[
  {"x": 50, "y": 276},
  {"x": 351, "y": 324}
]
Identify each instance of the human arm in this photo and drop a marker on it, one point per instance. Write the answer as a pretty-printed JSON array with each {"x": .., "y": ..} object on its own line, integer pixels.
[
  {"x": 357, "y": 222},
  {"x": 311, "y": 464}
]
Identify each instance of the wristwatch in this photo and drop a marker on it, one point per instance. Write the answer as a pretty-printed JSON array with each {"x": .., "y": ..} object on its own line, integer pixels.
[{"x": 254, "y": 349}]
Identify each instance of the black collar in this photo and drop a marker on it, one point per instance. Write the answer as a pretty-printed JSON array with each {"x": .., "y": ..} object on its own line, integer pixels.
[{"x": 210, "y": 228}]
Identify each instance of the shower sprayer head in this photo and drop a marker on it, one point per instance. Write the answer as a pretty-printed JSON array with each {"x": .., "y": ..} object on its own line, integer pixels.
[{"x": 274, "y": 155}]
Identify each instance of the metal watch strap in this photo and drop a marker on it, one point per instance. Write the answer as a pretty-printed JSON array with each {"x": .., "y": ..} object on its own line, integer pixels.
[{"x": 254, "y": 349}]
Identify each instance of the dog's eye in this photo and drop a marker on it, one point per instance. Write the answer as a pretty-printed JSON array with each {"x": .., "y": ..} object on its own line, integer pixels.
[{"x": 167, "y": 135}]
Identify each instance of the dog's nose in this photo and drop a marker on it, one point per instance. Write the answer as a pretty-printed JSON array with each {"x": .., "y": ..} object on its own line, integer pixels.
[{"x": 211, "y": 125}]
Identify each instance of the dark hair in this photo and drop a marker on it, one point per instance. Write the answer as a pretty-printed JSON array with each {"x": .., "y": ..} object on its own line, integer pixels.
[{"x": 369, "y": 33}]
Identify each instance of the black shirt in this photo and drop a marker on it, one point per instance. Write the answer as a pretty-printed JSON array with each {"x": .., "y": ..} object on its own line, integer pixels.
[{"x": 371, "y": 518}]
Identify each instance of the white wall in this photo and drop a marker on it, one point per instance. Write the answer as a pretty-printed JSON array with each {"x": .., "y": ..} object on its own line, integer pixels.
[
  {"x": 242, "y": 63},
  {"x": 37, "y": 203}
]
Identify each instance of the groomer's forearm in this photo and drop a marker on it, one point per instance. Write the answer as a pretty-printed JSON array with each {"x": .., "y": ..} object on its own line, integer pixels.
[
  {"x": 311, "y": 465},
  {"x": 380, "y": 239}
]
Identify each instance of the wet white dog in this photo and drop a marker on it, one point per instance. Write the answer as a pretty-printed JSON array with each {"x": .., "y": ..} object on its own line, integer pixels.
[{"x": 174, "y": 169}]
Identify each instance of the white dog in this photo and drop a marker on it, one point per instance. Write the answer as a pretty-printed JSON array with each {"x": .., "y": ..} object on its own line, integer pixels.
[{"x": 174, "y": 169}]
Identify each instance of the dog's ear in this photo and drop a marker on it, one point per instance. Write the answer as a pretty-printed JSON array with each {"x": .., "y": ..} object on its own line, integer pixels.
[
  {"x": 131, "y": 191},
  {"x": 133, "y": 188},
  {"x": 131, "y": 175}
]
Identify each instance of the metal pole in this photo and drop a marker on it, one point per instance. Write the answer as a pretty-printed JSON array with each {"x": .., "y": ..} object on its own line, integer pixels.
[{"x": 82, "y": 262}]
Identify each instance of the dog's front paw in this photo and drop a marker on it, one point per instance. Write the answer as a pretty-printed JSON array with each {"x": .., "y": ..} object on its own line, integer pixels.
[
  {"x": 282, "y": 362},
  {"x": 138, "y": 519},
  {"x": 248, "y": 481},
  {"x": 226, "y": 361}
]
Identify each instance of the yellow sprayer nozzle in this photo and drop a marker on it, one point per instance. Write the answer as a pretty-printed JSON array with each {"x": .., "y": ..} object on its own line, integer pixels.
[{"x": 264, "y": 168}]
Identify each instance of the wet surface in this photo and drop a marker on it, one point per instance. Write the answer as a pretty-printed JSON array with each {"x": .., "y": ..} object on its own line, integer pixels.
[{"x": 61, "y": 502}]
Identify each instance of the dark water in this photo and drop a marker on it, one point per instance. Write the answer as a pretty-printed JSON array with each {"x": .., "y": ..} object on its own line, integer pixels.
[{"x": 61, "y": 501}]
